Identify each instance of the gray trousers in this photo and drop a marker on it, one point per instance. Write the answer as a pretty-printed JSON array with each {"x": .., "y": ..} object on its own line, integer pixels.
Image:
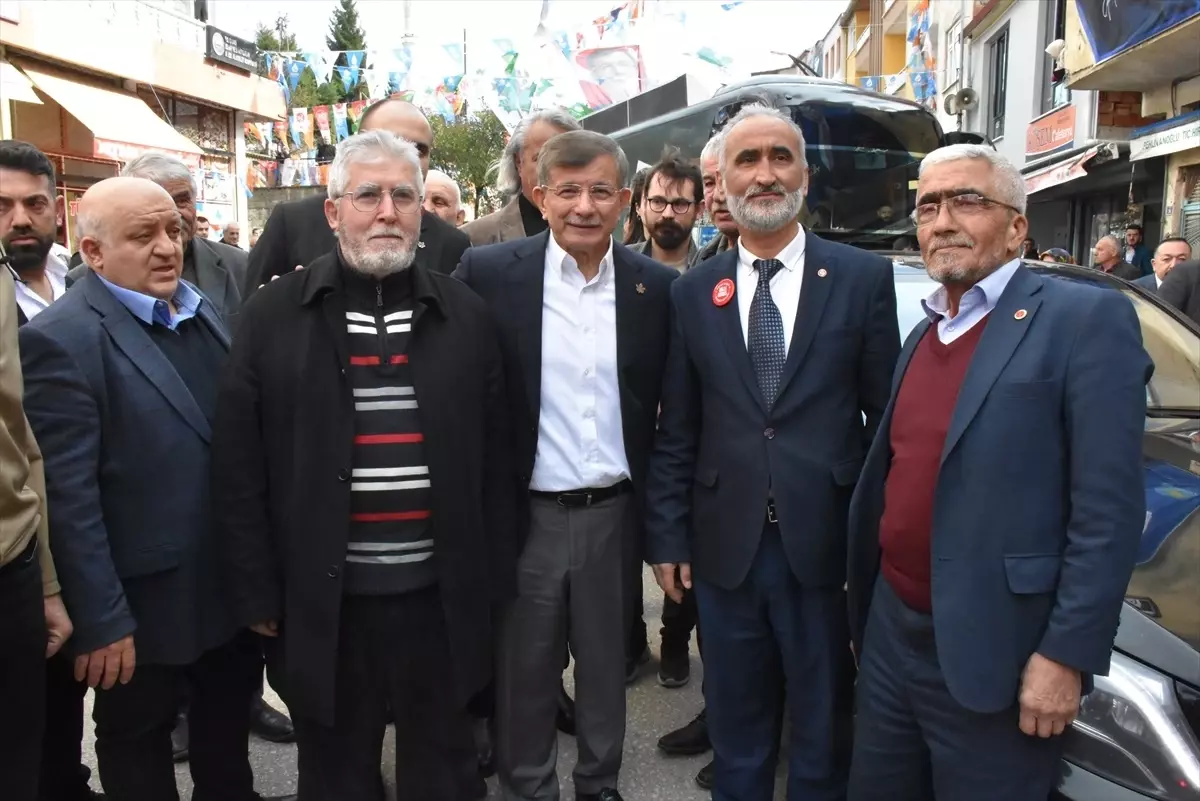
[{"x": 571, "y": 581}]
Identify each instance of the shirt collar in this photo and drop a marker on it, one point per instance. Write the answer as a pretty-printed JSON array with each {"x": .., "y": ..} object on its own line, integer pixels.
[
  {"x": 561, "y": 259},
  {"x": 56, "y": 268},
  {"x": 151, "y": 310},
  {"x": 988, "y": 290},
  {"x": 791, "y": 254}
]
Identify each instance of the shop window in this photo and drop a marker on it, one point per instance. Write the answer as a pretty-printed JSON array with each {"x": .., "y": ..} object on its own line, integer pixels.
[
  {"x": 1054, "y": 81},
  {"x": 998, "y": 95}
]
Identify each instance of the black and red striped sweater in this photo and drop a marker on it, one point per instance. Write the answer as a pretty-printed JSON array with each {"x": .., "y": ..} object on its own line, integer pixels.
[{"x": 390, "y": 548}]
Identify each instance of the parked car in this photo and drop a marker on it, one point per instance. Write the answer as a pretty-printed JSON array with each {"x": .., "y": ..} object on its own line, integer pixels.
[{"x": 1137, "y": 736}]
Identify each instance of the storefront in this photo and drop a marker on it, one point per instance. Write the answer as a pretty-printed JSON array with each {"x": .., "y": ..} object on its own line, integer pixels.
[{"x": 1177, "y": 141}]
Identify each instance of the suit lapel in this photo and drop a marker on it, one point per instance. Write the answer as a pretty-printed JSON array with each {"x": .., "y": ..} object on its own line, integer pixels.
[
  {"x": 128, "y": 335},
  {"x": 429, "y": 247},
  {"x": 1000, "y": 339},
  {"x": 728, "y": 321},
  {"x": 211, "y": 276},
  {"x": 629, "y": 308},
  {"x": 814, "y": 292},
  {"x": 527, "y": 280}
]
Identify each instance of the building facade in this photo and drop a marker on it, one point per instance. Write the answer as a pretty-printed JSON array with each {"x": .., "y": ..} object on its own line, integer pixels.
[{"x": 95, "y": 83}]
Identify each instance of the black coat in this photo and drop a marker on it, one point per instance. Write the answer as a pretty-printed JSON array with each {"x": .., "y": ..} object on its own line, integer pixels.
[
  {"x": 282, "y": 453},
  {"x": 511, "y": 277},
  {"x": 1181, "y": 288},
  {"x": 297, "y": 233}
]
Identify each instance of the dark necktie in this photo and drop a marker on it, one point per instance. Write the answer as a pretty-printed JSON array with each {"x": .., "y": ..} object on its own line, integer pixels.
[{"x": 765, "y": 335}]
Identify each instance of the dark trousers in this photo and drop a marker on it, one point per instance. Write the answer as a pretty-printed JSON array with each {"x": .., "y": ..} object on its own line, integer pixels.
[
  {"x": 22, "y": 675},
  {"x": 678, "y": 621},
  {"x": 775, "y": 648},
  {"x": 64, "y": 776},
  {"x": 134, "y": 723},
  {"x": 914, "y": 742},
  {"x": 393, "y": 654}
]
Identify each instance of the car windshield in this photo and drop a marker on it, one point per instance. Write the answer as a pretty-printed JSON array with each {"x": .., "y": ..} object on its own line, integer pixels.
[{"x": 1174, "y": 348}]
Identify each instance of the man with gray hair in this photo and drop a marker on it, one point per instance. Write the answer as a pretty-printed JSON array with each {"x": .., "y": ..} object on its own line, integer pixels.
[
  {"x": 584, "y": 325},
  {"x": 516, "y": 178},
  {"x": 1110, "y": 260},
  {"x": 443, "y": 197},
  {"x": 215, "y": 268},
  {"x": 781, "y": 359},
  {"x": 364, "y": 491},
  {"x": 997, "y": 520}
]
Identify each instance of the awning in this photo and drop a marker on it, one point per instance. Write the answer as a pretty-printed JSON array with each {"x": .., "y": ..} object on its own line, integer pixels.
[
  {"x": 122, "y": 125},
  {"x": 15, "y": 86},
  {"x": 1059, "y": 173}
]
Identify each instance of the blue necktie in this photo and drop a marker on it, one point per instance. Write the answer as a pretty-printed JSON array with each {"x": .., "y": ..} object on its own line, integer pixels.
[{"x": 765, "y": 335}]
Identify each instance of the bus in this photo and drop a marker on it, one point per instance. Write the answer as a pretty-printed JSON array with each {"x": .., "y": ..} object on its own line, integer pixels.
[{"x": 863, "y": 148}]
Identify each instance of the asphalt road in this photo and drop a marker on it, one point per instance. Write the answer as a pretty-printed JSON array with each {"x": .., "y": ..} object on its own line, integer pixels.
[{"x": 646, "y": 774}]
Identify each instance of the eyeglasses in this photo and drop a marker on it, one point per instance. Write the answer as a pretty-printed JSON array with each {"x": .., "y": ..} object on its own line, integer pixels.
[
  {"x": 368, "y": 197},
  {"x": 600, "y": 194},
  {"x": 968, "y": 204},
  {"x": 679, "y": 205}
]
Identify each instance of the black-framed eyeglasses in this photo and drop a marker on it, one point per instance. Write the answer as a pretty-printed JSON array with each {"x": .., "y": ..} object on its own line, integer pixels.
[
  {"x": 368, "y": 197},
  {"x": 600, "y": 194},
  {"x": 965, "y": 205},
  {"x": 679, "y": 205}
]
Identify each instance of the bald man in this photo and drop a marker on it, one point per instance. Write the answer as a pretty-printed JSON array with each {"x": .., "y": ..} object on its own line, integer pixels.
[
  {"x": 443, "y": 198},
  {"x": 120, "y": 390},
  {"x": 296, "y": 233}
]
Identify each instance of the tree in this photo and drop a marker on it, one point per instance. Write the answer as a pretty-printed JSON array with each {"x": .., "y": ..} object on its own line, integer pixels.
[
  {"x": 345, "y": 34},
  {"x": 466, "y": 150},
  {"x": 280, "y": 39}
]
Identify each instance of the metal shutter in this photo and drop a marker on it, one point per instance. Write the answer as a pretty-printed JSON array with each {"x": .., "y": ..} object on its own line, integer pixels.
[{"x": 1190, "y": 213}]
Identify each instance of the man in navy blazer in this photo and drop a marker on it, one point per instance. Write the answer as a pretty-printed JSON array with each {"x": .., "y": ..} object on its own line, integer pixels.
[
  {"x": 120, "y": 388},
  {"x": 997, "y": 519},
  {"x": 781, "y": 358},
  {"x": 1171, "y": 251}
]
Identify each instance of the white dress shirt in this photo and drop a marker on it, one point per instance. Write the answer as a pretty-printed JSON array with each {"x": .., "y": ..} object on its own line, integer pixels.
[
  {"x": 975, "y": 304},
  {"x": 785, "y": 286},
  {"x": 31, "y": 302},
  {"x": 581, "y": 444}
]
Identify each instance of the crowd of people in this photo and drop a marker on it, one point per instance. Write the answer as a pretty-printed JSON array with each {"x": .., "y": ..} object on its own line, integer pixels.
[{"x": 416, "y": 471}]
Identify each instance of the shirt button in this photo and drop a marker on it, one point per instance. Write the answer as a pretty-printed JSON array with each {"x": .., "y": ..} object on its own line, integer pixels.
[
  {"x": 343, "y": 475},
  {"x": 769, "y": 433},
  {"x": 334, "y": 571}
]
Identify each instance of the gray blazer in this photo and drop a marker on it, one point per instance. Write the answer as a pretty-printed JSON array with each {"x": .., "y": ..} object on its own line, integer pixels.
[
  {"x": 503, "y": 225},
  {"x": 220, "y": 273}
]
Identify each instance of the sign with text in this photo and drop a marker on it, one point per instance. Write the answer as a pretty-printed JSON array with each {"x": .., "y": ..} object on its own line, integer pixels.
[
  {"x": 1169, "y": 140},
  {"x": 229, "y": 49},
  {"x": 1051, "y": 132}
]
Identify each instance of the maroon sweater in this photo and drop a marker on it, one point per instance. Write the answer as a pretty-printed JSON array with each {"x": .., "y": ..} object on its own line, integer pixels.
[{"x": 920, "y": 422}]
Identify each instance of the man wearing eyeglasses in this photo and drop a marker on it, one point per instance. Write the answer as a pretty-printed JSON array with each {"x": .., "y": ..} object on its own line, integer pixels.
[
  {"x": 584, "y": 326},
  {"x": 363, "y": 491},
  {"x": 673, "y": 198},
  {"x": 995, "y": 526}
]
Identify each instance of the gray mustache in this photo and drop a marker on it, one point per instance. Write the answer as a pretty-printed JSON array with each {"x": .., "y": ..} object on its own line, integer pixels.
[{"x": 952, "y": 242}]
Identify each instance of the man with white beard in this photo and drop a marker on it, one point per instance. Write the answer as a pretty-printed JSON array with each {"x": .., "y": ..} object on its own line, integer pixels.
[
  {"x": 364, "y": 493},
  {"x": 778, "y": 375}
]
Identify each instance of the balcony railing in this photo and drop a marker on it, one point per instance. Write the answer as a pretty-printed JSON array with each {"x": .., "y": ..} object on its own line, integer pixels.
[{"x": 161, "y": 21}]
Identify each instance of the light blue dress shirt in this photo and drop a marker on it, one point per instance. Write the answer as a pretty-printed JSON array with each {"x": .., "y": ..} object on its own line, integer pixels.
[
  {"x": 151, "y": 310},
  {"x": 976, "y": 303}
]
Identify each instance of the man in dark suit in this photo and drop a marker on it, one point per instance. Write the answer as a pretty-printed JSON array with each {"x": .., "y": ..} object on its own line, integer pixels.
[
  {"x": 296, "y": 233},
  {"x": 1172, "y": 251},
  {"x": 1108, "y": 259},
  {"x": 365, "y": 493},
  {"x": 120, "y": 389},
  {"x": 1182, "y": 289},
  {"x": 996, "y": 523},
  {"x": 583, "y": 329},
  {"x": 780, "y": 347}
]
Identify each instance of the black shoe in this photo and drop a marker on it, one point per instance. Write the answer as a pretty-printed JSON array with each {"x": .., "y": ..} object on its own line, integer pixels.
[
  {"x": 690, "y": 740},
  {"x": 270, "y": 724},
  {"x": 566, "y": 712},
  {"x": 674, "y": 667},
  {"x": 705, "y": 777},
  {"x": 607, "y": 794},
  {"x": 633, "y": 667},
  {"x": 179, "y": 738}
]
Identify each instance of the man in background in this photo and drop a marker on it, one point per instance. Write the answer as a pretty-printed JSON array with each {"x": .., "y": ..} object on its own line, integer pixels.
[
  {"x": 714, "y": 202},
  {"x": 443, "y": 198},
  {"x": 255, "y": 233},
  {"x": 1170, "y": 252},
  {"x": 202, "y": 227},
  {"x": 297, "y": 233},
  {"x": 1108, "y": 259},
  {"x": 231, "y": 234},
  {"x": 1182, "y": 289},
  {"x": 30, "y": 213},
  {"x": 516, "y": 177},
  {"x": 672, "y": 200},
  {"x": 1136, "y": 252}
]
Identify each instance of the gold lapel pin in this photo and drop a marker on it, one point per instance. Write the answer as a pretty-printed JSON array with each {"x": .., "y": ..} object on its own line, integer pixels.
[
  {"x": 821, "y": 273},
  {"x": 641, "y": 289},
  {"x": 1020, "y": 314}
]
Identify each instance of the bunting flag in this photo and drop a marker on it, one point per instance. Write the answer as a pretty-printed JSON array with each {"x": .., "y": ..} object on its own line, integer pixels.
[
  {"x": 349, "y": 77},
  {"x": 295, "y": 69},
  {"x": 396, "y": 81},
  {"x": 340, "y": 122},
  {"x": 299, "y": 120},
  {"x": 355, "y": 59},
  {"x": 322, "y": 65},
  {"x": 321, "y": 114}
]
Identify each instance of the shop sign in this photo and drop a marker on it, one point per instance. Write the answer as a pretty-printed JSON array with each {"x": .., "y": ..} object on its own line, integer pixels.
[
  {"x": 1057, "y": 174},
  {"x": 229, "y": 49},
  {"x": 1162, "y": 142},
  {"x": 125, "y": 152},
  {"x": 1051, "y": 132}
]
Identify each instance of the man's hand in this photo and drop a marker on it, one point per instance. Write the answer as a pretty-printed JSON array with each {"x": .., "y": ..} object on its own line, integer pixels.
[
  {"x": 1049, "y": 696},
  {"x": 269, "y": 628},
  {"x": 275, "y": 277},
  {"x": 665, "y": 574},
  {"x": 105, "y": 666},
  {"x": 58, "y": 624}
]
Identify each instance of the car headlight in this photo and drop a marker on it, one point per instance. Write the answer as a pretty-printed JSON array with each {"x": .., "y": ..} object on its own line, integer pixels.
[{"x": 1132, "y": 731}]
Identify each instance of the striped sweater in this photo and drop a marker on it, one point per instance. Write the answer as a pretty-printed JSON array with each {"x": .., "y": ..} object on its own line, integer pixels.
[{"x": 390, "y": 548}]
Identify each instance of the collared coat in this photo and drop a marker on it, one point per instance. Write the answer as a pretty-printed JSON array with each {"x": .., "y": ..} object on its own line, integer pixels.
[{"x": 282, "y": 459}]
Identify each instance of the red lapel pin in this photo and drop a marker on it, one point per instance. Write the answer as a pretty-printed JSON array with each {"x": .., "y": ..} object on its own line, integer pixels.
[{"x": 723, "y": 292}]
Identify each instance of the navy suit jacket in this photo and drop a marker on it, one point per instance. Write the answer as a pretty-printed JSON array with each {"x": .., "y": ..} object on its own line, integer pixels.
[
  {"x": 126, "y": 448},
  {"x": 719, "y": 450},
  {"x": 1148, "y": 283},
  {"x": 1040, "y": 502}
]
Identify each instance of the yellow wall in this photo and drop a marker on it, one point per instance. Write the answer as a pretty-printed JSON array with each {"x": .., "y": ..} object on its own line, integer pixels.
[
  {"x": 895, "y": 54},
  {"x": 1078, "y": 54}
]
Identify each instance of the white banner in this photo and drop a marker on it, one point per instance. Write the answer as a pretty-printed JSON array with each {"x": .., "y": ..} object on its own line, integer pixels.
[{"x": 1171, "y": 140}]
